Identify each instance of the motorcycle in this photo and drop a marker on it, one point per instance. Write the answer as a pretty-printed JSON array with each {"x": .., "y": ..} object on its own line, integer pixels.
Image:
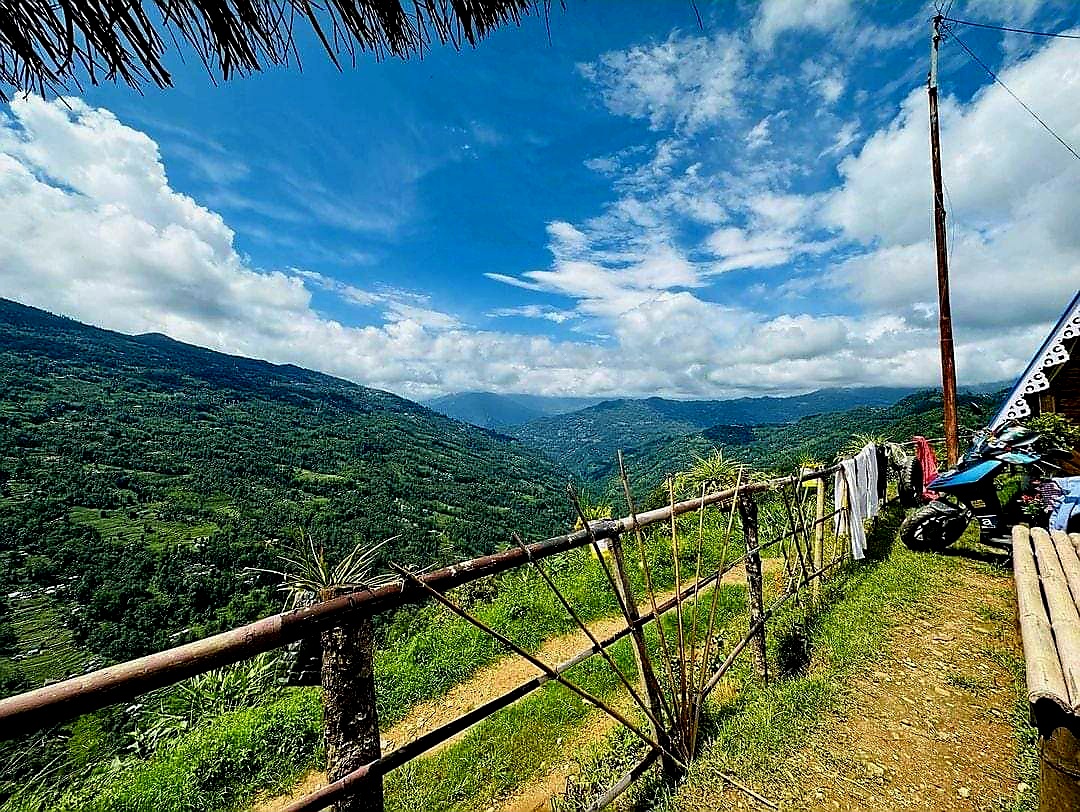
[{"x": 968, "y": 491}]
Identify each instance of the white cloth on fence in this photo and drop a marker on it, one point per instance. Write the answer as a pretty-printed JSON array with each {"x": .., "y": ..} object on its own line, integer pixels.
[
  {"x": 857, "y": 478},
  {"x": 867, "y": 465}
]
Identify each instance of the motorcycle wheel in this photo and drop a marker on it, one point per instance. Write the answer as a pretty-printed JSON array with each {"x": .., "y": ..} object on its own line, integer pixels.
[
  {"x": 933, "y": 527},
  {"x": 910, "y": 487}
]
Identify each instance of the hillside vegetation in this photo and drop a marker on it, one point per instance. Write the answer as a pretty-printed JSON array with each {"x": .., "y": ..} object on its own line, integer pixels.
[
  {"x": 139, "y": 477},
  {"x": 490, "y": 410},
  {"x": 780, "y": 448},
  {"x": 585, "y": 441}
]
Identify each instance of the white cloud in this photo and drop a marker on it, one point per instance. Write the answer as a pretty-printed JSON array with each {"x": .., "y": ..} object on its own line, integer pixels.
[
  {"x": 533, "y": 311},
  {"x": 847, "y": 135},
  {"x": 1012, "y": 207},
  {"x": 759, "y": 134},
  {"x": 776, "y": 17},
  {"x": 826, "y": 77},
  {"x": 740, "y": 249},
  {"x": 685, "y": 82},
  {"x": 394, "y": 303},
  {"x": 96, "y": 231}
]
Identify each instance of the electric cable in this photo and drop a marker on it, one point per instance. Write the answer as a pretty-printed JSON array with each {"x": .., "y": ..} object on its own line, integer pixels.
[
  {"x": 994, "y": 76},
  {"x": 973, "y": 24}
]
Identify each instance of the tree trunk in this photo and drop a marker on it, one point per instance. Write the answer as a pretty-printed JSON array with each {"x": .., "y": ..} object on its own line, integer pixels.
[{"x": 351, "y": 721}]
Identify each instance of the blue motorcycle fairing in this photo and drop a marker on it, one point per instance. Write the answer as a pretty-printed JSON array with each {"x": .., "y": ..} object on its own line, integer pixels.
[{"x": 967, "y": 476}]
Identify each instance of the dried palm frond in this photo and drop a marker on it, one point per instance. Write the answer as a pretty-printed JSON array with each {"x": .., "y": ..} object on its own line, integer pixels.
[{"x": 46, "y": 45}]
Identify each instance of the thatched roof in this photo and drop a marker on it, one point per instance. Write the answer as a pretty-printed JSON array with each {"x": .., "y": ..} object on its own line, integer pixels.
[{"x": 48, "y": 45}]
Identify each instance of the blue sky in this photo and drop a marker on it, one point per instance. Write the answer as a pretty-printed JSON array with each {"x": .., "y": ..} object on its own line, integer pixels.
[{"x": 633, "y": 205}]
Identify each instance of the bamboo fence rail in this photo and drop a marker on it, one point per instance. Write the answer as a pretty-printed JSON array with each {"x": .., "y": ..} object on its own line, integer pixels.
[{"x": 671, "y": 716}]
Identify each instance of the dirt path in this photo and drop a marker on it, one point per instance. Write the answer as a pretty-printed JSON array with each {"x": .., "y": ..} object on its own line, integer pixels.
[
  {"x": 928, "y": 727},
  {"x": 486, "y": 684}
]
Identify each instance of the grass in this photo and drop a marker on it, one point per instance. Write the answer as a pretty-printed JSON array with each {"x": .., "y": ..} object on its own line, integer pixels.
[
  {"x": 518, "y": 743},
  {"x": 752, "y": 727},
  {"x": 1027, "y": 737},
  {"x": 305, "y": 476},
  {"x": 217, "y": 766},
  {"x": 220, "y": 766},
  {"x": 429, "y": 652}
]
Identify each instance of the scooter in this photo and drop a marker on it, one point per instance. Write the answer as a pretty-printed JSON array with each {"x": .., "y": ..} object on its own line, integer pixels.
[{"x": 968, "y": 491}]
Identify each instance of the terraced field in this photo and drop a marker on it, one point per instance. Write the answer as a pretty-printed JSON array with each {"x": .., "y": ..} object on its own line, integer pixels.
[{"x": 46, "y": 650}]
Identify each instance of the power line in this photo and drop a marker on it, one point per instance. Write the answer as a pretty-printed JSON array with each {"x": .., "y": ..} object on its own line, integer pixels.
[
  {"x": 948, "y": 19},
  {"x": 1019, "y": 101}
]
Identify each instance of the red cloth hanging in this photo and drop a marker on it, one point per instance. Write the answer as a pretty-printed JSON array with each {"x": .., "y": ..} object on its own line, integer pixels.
[{"x": 928, "y": 461}]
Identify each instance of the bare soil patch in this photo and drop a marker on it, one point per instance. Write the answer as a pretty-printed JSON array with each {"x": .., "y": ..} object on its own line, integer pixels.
[{"x": 927, "y": 728}]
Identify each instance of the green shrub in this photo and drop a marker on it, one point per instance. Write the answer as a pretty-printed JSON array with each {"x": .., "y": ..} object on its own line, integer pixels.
[{"x": 218, "y": 766}]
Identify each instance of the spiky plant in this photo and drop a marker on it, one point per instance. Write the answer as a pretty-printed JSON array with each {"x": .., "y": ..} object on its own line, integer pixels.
[
  {"x": 713, "y": 470},
  {"x": 203, "y": 697},
  {"x": 308, "y": 574},
  {"x": 350, "y": 716},
  {"x": 594, "y": 507}
]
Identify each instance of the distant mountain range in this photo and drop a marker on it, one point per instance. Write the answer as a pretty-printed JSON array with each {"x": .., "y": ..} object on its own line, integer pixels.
[
  {"x": 585, "y": 441},
  {"x": 781, "y": 447},
  {"x": 501, "y": 412}
]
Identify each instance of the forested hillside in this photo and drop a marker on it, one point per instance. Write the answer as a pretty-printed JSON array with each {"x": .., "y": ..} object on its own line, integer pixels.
[
  {"x": 586, "y": 440},
  {"x": 490, "y": 410},
  {"x": 139, "y": 477},
  {"x": 779, "y": 448}
]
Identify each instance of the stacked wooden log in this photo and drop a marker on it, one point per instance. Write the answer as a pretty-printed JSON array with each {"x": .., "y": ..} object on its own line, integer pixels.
[{"x": 1046, "y": 566}]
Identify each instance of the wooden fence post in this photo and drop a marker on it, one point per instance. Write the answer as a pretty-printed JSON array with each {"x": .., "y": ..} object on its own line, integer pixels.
[
  {"x": 350, "y": 715},
  {"x": 819, "y": 536},
  {"x": 641, "y": 651},
  {"x": 748, "y": 515}
]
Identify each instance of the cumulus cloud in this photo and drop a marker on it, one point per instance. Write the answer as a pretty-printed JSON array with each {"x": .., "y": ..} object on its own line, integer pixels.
[
  {"x": 1012, "y": 202},
  {"x": 96, "y": 231},
  {"x": 677, "y": 285}
]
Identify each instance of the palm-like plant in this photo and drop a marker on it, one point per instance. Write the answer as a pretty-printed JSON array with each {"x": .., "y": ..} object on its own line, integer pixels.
[
  {"x": 351, "y": 722},
  {"x": 593, "y": 507}
]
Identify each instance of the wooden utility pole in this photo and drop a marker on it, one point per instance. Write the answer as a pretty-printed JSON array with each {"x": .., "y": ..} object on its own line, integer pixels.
[{"x": 948, "y": 358}]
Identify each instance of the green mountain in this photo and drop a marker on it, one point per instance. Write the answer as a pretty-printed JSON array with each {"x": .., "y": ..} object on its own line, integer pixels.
[
  {"x": 586, "y": 440},
  {"x": 780, "y": 448},
  {"x": 140, "y": 476},
  {"x": 501, "y": 412}
]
